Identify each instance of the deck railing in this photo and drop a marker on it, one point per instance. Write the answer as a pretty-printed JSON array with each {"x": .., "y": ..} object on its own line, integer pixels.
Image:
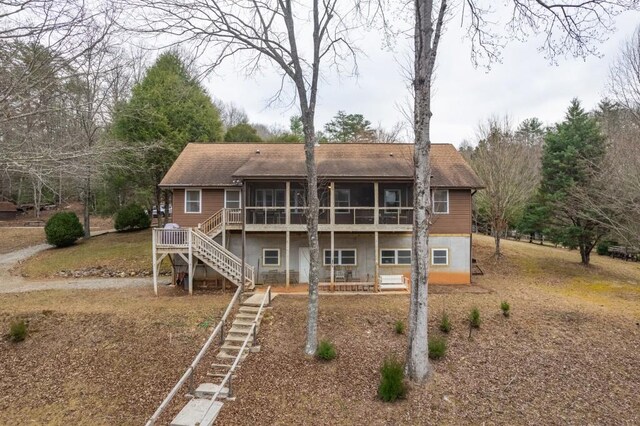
[{"x": 171, "y": 238}]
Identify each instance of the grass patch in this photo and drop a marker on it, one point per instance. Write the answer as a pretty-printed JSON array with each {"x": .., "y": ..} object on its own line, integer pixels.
[
  {"x": 437, "y": 347},
  {"x": 121, "y": 251},
  {"x": 326, "y": 350},
  {"x": 399, "y": 327},
  {"x": 18, "y": 331},
  {"x": 392, "y": 386},
  {"x": 12, "y": 239}
]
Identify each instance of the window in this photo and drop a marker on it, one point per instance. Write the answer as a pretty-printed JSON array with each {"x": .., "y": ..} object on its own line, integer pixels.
[
  {"x": 271, "y": 257},
  {"x": 395, "y": 257},
  {"x": 192, "y": 201},
  {"x": 232, "y": 199},
  {"x": 340, "y": 257},
  {"x": 441, "y": 201},
  {"x": 269, "y": 197},
  {"x": 440, "y": 257},
  {"x": 343, "y": 199},
  {"x": 392, "y": 198}
]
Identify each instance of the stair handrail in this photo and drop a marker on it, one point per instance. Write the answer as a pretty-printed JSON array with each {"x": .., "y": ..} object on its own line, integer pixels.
[
  {"x": 236, "y": 361},
  {"x": 212, "y": 222},
  {"x": 236, "y": 261},
  {"x": 191, "y": 369}
]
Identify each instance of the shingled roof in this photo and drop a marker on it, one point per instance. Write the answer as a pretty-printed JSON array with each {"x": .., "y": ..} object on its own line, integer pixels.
[{"x": 220, "y": 164}]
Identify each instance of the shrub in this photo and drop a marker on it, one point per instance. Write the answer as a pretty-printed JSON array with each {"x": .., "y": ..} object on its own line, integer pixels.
[
  {"x": 603, "y": 247},
  {"x": 392, "y": 386},
  {"x": 505, "y": 308},
  {"x": 326, "y": 350},
  {"x": 437, "y": 347},
  {"x": 445, "y": 324},
  {"x": 399, "y": 327},
  {"x": 130, "y": 218},
  {"x": 474, "y": 318},
  {"x": 63, "y": 229},
  {"x": 18, "y": 331}
]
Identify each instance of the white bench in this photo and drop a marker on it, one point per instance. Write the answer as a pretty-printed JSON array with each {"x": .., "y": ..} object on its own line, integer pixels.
[{"x": 393, "y": 282}]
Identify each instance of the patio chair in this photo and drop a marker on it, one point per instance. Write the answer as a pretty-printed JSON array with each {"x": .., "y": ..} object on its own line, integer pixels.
[{"x": 339, "y": 276}]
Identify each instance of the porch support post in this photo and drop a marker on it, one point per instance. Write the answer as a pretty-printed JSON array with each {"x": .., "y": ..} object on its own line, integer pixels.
[
  {"x": 332, "y": 260},
  {"x": 190, "y": 261},
  {"x": 287, "y": 203},
  {"x": 376, "y": 216},
  {"x": 173, "y": 271},
  {"x": 332, "y": 204},
  {"x": 155, "y": 265},
  {"x": 376, "y": 284},
  {"x": 286, "y": 255},
  {"x": 224, "y": 229},
  {"x": 244, "y": 235}
]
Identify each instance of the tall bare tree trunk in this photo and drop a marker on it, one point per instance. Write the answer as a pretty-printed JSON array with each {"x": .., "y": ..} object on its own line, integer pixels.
[
  {"x": 426, "y": 42},
  {"x": 86, "y": 210}
]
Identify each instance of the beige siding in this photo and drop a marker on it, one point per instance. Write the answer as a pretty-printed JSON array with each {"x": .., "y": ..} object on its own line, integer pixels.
[
  {"x": 212, "y": 201},
  {"x": 458, "y": 220}
]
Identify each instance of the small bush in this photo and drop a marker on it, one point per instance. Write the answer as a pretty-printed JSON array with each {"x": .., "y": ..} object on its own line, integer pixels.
[
  {"x": 63, "y": 229},
  {"x": 505, "y": 308},
  {"x": 392, "y": 386},
  {"x": 399, "y": 327},
  {"x": 445, "y": 324},
  {"x": 130, "y": 218},
  {"x": 18, "y": 331},
  {"x": 326, "y": 350},
  {"x": 474, "y": 318},
  {"x": 603, "y": 247},
  {"x": 437, "y": 347}
]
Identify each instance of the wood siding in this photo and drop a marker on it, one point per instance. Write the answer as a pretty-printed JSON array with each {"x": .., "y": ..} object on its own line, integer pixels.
[
  {"x": 212, "y": 201},
  {"x": 458, "y": 220}
]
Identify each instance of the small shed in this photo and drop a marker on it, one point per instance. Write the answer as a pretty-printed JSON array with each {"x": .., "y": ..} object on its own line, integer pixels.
[{"x": 8, "y": 210}]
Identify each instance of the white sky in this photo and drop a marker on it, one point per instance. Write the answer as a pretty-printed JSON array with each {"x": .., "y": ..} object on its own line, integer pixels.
[{"x": 524, "y": 85}]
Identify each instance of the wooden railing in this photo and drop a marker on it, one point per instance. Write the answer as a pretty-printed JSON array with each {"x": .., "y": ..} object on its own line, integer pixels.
[
  {"x": 229, "y": 264},
  {"x": 214, "y": 222},
  {"x": 188, "y": 375},
  {"x": 233, "y": 216},
  {"x": 226, "y": 380},
  {"x": 171, "y": 238}
]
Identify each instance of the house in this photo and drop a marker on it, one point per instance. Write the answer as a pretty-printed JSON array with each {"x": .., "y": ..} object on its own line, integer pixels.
[
  {"x": 8, "y": 210},
  {"x": 241, "y": 213}
]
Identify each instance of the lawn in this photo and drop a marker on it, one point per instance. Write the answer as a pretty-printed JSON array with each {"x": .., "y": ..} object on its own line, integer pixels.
[
  {"x": 122, "y": 252},
  {"x": 98, "y": 356},
  {"x": 568, "y": 354},
  {"x": 12, "y": 239}
]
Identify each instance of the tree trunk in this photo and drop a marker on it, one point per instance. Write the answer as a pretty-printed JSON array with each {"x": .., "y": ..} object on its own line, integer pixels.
[
  {"x": 497, "y": 252},
  {"x": 158, "y": 192},
  {"x": 312, "y": 232},
  {"x": 585, "y": 254},
  {"x": 87, "y": 209}
]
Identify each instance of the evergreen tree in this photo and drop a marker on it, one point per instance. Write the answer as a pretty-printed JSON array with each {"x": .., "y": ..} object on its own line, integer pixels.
[
  {"x": 167, "y": 110},
  {"x": 242, "y": 132},
  {"x": 572, "y": 155},
  {"x": 348, "y": 128}
]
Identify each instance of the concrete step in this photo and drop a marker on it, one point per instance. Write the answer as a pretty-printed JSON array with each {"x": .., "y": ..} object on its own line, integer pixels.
[
  {"x": 247, "y": 316},
  {"x": 227, "y": 366},
  {"x": 220, "y": 375},
  {"x": 227, "y": 355},
  {"x": 237, "y": 338},
  {"x": 238, "y": 330},
  {"x": 207, "y": 390},
  {"x": 198, "y": 411},
  {"x": 241, "y": 322},
  {"x": 229, "y": 347},
  {"x": 249, "y": 308}
]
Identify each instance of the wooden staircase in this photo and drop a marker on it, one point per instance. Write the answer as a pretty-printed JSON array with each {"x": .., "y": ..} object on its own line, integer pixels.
[
  {"x": 205, "y": 405},
  {"x": 218, "y": 221}
]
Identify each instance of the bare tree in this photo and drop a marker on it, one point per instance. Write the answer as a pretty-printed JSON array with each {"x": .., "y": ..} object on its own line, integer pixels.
[
  {"x": 296, "y": 39},
  {"x": 569, "y": 27},
  {"x": 510, "y": 170},
  {"x": 231, "y": 114},
  {"x": 624, "y": 81}
]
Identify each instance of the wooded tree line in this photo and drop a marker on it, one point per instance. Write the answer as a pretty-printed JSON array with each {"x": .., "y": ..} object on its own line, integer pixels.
[{"x": 575, "y": 183}]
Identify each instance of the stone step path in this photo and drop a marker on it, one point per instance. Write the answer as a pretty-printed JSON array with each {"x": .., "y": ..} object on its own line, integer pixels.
[{"x": 201, "y": 410}]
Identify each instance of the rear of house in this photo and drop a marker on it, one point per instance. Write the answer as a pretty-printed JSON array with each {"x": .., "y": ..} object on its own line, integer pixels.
[{"x": 250, "y": 199}]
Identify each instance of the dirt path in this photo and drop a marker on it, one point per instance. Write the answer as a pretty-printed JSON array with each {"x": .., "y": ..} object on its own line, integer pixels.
[{"x": 15, "y": 284}]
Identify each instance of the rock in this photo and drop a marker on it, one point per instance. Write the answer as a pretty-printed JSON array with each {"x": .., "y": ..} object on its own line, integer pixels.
[{"x": 122, "y": 275}]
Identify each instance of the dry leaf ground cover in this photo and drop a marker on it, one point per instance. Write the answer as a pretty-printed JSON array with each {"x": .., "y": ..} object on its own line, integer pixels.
[
  {"x": 98, "y": 357},
  {"x": 568, "y": 354},
  {"x": 12, "y": 239}
]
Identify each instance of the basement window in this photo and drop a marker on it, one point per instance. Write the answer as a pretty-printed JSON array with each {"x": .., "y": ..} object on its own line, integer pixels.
[
  {"x": 395, "y": 257},
  {"x": 440, "y": 257},
  {"x": 271, "y": 257},
  {"x": 341, "y": 257}
]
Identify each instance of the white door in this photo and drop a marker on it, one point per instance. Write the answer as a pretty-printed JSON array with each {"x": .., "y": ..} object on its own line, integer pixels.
[{"x": 304, "y": 264}]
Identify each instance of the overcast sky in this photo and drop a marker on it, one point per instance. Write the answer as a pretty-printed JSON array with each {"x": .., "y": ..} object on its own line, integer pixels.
[{"x": 524, "y": 85}]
